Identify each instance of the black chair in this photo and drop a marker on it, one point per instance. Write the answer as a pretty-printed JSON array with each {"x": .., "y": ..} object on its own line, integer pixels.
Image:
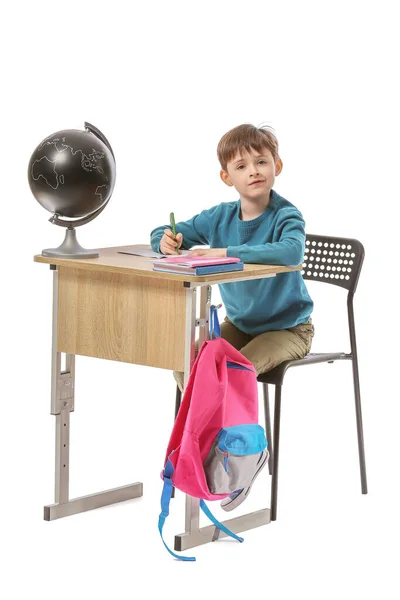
[{"x": 335, "y": 261}]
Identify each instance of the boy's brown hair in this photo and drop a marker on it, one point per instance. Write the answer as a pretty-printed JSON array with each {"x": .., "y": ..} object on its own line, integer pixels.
[{"x": 246, "y": 137}]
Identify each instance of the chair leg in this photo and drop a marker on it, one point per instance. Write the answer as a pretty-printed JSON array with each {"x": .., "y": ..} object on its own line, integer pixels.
[
  {"x": 360, "y": 435},
  {"x": 177, "y": 406},
  {"x": 267, "y": 417},
  {"x": 274, "y": 482}
]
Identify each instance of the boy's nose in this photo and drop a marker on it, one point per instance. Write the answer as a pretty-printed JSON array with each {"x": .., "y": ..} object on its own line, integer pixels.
[{"x": 254, "y": 169}]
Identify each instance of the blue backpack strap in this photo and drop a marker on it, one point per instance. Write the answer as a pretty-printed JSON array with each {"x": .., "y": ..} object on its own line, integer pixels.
[
  {"x": 165, "y": 500},
  {"x": 214, "y": 322},
  {"x": 220, "y": 526}
]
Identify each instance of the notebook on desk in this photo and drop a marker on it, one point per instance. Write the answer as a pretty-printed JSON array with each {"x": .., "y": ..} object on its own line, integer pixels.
[{"x": 197, "y": 265}]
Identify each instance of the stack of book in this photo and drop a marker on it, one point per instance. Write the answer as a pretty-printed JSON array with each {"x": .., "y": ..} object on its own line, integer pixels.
[{"x": 197, "y": 265}]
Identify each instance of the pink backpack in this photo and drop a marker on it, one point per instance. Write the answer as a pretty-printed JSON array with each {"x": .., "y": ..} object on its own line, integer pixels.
[{"x": 216, "y": 442}]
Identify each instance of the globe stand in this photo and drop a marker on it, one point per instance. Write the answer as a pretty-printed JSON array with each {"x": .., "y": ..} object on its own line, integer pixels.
[{"x": 70, "y": 248}]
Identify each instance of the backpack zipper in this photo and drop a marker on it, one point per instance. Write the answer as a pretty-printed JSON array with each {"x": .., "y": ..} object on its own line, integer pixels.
[{"x": 226, "y": 462}]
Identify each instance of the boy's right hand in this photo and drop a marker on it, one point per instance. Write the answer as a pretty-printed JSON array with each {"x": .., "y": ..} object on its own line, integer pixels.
[{"x": 169, "y": 243}]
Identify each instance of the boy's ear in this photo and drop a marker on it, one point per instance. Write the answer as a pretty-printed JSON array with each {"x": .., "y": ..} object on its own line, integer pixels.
[
  {"x": 278, "y": 166},
  {"x": 225, "y": 178}
]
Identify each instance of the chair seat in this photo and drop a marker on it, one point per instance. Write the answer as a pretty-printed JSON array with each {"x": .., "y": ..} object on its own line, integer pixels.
[{"x": 275, "y": 376}]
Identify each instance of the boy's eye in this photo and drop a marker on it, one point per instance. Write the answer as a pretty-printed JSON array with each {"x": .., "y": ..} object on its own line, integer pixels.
[
  {"x": 240, "y": 167},
  {"x": 262, "y": 161}
]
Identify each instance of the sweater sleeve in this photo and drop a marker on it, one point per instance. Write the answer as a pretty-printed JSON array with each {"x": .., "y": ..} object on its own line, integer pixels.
[
  {"x": 288, "y": 250},
  {"x": 195, "y": 231}
]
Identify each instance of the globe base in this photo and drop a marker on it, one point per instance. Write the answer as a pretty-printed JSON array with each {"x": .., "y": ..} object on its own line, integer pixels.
[{"x": 70, "y": 248}]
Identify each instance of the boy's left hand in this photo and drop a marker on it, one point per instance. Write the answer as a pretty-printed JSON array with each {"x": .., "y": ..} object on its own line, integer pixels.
[{"x": 218, "y": 252}]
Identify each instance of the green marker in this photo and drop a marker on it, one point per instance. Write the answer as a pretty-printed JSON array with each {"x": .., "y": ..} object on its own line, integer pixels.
[{"x": 173, "y": 227}]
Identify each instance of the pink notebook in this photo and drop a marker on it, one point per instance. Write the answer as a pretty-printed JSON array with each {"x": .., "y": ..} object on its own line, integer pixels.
[{"x": 196, "y": 261}]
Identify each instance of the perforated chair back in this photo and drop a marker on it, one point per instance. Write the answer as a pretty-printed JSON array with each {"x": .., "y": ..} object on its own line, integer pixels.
[{"x": 333, "y": 260}]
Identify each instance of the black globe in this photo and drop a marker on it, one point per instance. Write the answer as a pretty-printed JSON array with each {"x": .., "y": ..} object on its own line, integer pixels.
[{"x": 72, "y": 173}]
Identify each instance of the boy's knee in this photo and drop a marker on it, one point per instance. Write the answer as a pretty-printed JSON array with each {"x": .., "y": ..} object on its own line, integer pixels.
[
  {"x": 178, "y": 376},
  {"x": 269, "y": 350}
]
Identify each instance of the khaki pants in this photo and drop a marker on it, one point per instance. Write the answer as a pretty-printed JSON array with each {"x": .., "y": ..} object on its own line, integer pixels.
[{"x": 266, "y": 350}]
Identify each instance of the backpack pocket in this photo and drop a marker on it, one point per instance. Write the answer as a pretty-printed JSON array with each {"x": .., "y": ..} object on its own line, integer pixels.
[{"x": 235, "y": 458}]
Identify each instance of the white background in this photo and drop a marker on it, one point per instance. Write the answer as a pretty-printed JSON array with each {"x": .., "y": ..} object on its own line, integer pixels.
[{"x": 164, "y": 81}]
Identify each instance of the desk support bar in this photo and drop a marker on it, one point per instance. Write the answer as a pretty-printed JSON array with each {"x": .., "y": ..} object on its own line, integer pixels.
[
  {"x": 210, "y": 533},
  {"x": 192, "y": 505},
  {"x": 62, "y": 403},
  {"x": 84, "y": 503}
]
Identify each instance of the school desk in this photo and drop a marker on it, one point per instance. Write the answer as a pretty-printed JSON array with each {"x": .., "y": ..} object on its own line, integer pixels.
[{"x": 116, "y": 307}]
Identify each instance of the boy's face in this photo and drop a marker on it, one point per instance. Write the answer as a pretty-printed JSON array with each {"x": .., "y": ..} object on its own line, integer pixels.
[{"x": 252, "y": 174}]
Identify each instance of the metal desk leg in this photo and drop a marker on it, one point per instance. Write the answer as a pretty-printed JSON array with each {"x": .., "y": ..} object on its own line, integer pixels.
[
  {"x": 192, "y": 507},
  {"x": 62, "y": 403}
]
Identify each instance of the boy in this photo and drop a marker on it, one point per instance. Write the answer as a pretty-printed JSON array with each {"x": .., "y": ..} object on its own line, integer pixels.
[{"x": 268, "y": 320}]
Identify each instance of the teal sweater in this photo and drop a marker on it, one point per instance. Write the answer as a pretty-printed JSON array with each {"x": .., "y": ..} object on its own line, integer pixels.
[{"x": 276, "y": 237}]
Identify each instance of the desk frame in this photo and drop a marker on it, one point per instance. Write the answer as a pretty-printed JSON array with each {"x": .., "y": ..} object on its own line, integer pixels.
[{"x": 62, "y": 403}]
